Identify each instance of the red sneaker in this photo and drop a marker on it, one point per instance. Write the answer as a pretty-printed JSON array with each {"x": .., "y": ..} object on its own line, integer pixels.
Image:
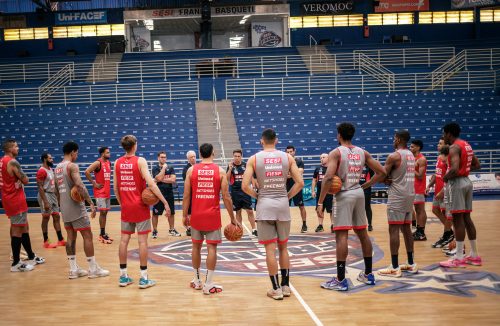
[
  {"x": 453, "y": 263},
  {"x": 48, "y": 245},
  {"x": 476, "y": 261},
  {"x": 61, "y": 243}
]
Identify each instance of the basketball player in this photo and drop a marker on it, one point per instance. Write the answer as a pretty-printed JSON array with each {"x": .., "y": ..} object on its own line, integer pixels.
[
  {"x": 438, "y": 206},
  {"x": 317, "y": 180},
  {"x": 347, "y": 161},
  {"x": 270, "y": 167},
  {"x": 12, "y": 181},
  {"x": 420, "y": 180},
  {"x": 458, "y": 188},
  {"x": 48, "y": 201},
  {"x": 241, "y": 200},
  {"x": 164, "y": 176},
  {"x": 400, "y": 169},
  {"x": 191, "y": 157},
  {"x": 102, "y": 189},
  {"x": 204, "y": 182},
  {"x": 75, "y": 216},
  {"x": 298, "y": 199},
  {"x": 130, "y": 176},
  {"x": 366, "y": 175}
]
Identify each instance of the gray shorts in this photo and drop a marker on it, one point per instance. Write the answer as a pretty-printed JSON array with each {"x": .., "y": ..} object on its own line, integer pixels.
[
  {"x": 349, "y": 210},
  {"x": 20, "y": 219},
  {"x": 81, "y": 224},
  {"x": 396, "y": 217},
  {"x": 54, "y": 205},
  {"x": 273, "y": 231},
  {"x": 419, "y": 199},
  {"x": 212, "y": 237},
  {"x": 143, "y": 227},
  {"x": 438, "y": 204},
  {"x": 103, "y": 204},
  {"x": 459, "y": 195}
]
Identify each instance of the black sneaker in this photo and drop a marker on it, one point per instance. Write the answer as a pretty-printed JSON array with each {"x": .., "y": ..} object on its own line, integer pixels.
[
  {"x": 154, "y": 235},
  {"x": 370, "y": 228},
  {"x": 319, "y": 228},
  {"x": 331, "y": 229},
  {"x": 439, "y": 243},
  {"x": 304, "y": 229},
  {"x": 419, "y": 236},
  {"x": 188, "y": 232},
  {"x": 254, "y": 233},
  {"x": 174, "y": 233},
  {"x": 448, "y": 239}
]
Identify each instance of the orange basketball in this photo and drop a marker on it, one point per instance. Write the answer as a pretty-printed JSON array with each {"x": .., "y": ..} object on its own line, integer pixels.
[
  {"x": 149, "y": 198},
  {"x": 76, "y": 195},
  {"x": 452, "y": 245},
  {"x": 336, "y": 185},
  {"x": 233, "y": 232}
]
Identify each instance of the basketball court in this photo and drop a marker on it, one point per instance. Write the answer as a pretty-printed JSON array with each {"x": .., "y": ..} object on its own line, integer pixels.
[{"x": 433, "y": 296}]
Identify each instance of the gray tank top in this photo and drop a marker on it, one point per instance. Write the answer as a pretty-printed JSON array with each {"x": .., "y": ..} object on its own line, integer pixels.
[
  {"x": 350, "y": 168},
  {"x": 48, "y": 183},
  {"x": 271, "y": 169},
  {"x": 402, "y": 190},
  {"x": 70, "y": 209}
]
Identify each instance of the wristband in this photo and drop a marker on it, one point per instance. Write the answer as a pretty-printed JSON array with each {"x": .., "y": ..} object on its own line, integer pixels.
[{"x": 320, "y": 204}]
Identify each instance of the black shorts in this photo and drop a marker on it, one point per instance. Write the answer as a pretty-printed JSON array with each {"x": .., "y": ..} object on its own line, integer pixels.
[
  {"x": 327, "y": 203},
  {"x": 241, "y": 200},
  {"x": 159, "y": 208},
  {"x": 298, "y": 200}
]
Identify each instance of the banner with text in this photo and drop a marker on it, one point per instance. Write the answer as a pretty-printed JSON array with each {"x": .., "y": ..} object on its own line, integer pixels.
[
  {"x": 402, "y": 5},
  {"x": 81, "y": 17},
  {"x": 327, "y": 8},
  {"x": 459, "y": 4},
  {"x": 267, "y": 34}
]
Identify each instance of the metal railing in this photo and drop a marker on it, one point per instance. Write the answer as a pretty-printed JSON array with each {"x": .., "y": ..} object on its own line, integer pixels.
[
  {"x": 375, "y": 69},
  {"x": 489, "y": 159},
  {"x": 54, "y": 83},
  {"x": 250, "y": 66},
  {"x": 311, "y": 40},
  {"x": 93, "y": 94},
  {"x": 345, "y": 84},
  {"x": 406, "y": 57}
]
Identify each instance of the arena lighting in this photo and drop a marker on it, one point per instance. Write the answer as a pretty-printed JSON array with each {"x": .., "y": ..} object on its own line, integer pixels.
[{"x": 149, "y": 24}]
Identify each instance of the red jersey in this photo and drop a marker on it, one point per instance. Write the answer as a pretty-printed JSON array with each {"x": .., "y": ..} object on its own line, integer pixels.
[
  {"x": 103, "y": 177},
  {"x": 441, "y": 167},
  {"x": 130, "y": 187},
  {"x": 13, "y": 197},
  {"x": 420, "y": 184},
  {"x": 466, "y": 155},
  {"x": 205, "y": 200}
]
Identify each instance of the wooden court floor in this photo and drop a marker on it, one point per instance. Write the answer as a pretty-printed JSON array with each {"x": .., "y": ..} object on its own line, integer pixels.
[{"x": 435, "y": 296}]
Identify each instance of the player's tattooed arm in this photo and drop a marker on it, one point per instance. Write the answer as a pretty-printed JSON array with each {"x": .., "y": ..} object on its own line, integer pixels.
[
  {"x": 475, "y": 165},
  {"x": 77, "y": 180},
  {"x": 16, "y": 169}
]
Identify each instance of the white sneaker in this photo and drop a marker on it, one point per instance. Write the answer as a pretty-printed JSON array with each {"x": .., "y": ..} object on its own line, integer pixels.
[
  {"x": 286, "y": 290},
  {"x": 390, "y": 271},
  {"x": 275, "y": 294},
  {"x": 98, "y": 272},
  {"x": 79, "y": 272},
  {"x": 211, "y": 288},
  {"x": 22, "y": 267},
  {"x": 36, "y": 261},
  {"x": 412, "y": 269},
  {"x": 196, "y": 284}
]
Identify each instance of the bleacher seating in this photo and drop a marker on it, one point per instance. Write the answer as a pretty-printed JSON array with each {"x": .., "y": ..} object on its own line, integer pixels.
[
  {"x": 158, "y": 126},
  {"x": 310, "y": 122}
]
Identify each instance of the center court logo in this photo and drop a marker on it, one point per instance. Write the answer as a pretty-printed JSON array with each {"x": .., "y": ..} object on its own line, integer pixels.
[
  {"x": 315, "y": 256},
  {"x": 309, "y": 255}
]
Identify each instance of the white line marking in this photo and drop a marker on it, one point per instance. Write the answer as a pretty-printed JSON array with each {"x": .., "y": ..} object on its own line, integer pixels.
[{"x": 308, "y": 309}]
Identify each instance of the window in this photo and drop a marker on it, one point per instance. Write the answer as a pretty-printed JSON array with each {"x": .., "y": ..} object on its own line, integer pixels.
[
  {"x": 402, "y": 18},
  {"x": 118, "y": 29},
  {"x": 26, "y": 34},
  {"x": 74, "y": 31},
  {"x": 490, "y": 15},
  {"x": 446, "y": 17},
  {"x": 89, "y": 30},
  {"x": 326, "y": 21}
]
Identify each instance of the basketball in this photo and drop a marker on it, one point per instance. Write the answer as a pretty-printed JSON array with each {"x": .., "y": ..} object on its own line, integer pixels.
[
  {"x": 233, "y": 232},
  {"x": 149, "y": 198},
  {"x": 336, "y": 185},
  {"x": 76, "y": 195}
]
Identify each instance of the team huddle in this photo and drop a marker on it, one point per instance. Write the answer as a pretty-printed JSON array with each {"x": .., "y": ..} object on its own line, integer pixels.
[{"x": 273, "y": 178}]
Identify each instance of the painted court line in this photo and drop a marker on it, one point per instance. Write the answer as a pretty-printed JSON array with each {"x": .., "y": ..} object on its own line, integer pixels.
[{"x": 304, "y": 304}]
